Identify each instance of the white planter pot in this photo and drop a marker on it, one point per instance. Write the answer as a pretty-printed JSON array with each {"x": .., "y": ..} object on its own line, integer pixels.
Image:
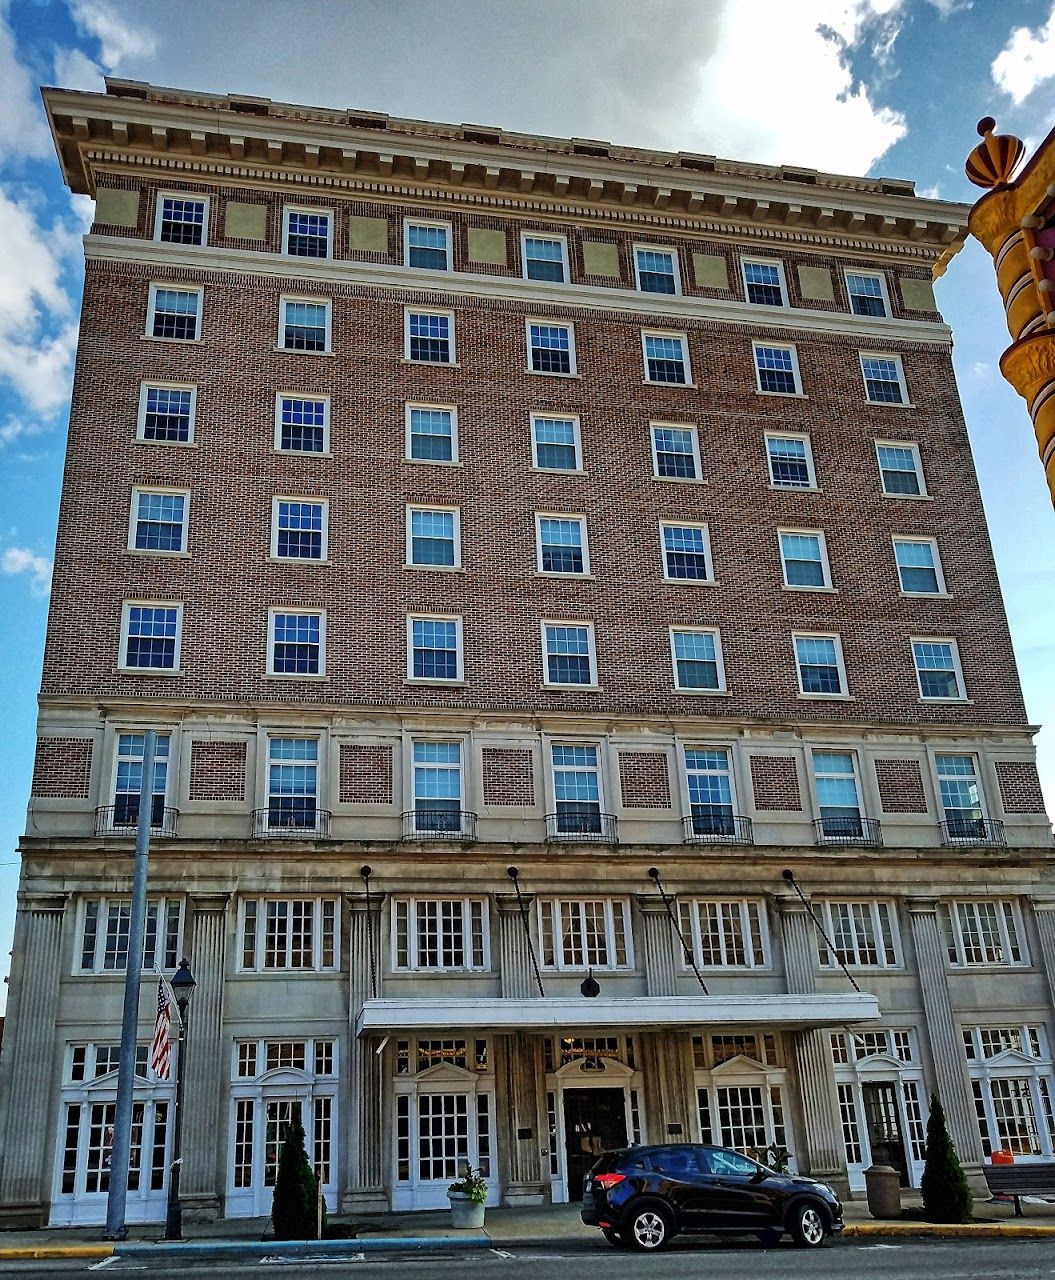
[{"x": 465, "y": 1212}]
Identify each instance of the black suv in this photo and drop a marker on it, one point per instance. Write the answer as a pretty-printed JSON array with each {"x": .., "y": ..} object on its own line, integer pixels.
[{"x": 641, "y": 1197}]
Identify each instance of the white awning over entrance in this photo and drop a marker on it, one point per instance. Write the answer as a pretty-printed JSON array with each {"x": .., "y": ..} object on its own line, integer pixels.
[{"x": 634, "y": 1013}]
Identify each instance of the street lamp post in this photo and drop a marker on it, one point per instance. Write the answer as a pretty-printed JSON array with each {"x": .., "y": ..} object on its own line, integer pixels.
[{"x": 182, "y": 985}]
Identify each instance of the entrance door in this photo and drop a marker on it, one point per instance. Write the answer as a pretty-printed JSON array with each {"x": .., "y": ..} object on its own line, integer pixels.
[
  {"x": 594, "y": 1121},
  {"x": 883, "y": 1121}
]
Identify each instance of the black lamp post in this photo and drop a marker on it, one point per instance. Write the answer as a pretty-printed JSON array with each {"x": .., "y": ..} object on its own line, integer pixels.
[{"x": 182, "y": 985}]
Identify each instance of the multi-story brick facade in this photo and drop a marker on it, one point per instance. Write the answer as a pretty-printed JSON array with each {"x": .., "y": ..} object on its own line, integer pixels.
[{"x": 451, "y": 500}]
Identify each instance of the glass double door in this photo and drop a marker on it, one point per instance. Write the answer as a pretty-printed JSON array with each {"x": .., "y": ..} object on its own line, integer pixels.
[
  {"x": 84, "y": 1172},
  {"x": 594, "y": 1121},
  {"x": 260, "y": 1125}
]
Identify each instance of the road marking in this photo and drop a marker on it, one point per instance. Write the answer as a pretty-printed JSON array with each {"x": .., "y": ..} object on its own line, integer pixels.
[
  {"x": 98, "y": 1266},
  {"x": 502, "y": 1253},
  {"x": 285, "y": 1260}
]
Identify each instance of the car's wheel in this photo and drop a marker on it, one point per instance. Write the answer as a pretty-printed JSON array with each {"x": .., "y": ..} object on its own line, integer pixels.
[
  {"x": 767, "y": 1239},
  {"x": 649, "y": 1228},
  {"x": 613, "y": 1237},
  {"x": 808, "y": 1226}
]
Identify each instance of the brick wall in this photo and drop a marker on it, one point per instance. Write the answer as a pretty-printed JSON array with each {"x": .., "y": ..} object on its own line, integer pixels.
[
  {"x": 776, "y": 783},
  {"x": 366, "y": 774},
  {"x": 62, "y": 768},
  {"x": 507, "y": 776},
  {"x": 900, "y": 786},
  {"x": 217, "y": 770},
  {"x": 644, "y": 781},
  {"x": 1019, "y": 786}
]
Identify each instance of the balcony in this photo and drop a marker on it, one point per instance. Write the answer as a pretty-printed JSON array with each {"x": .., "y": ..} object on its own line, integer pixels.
[
  {"x": 121, "y": 820},
  {"x": 972, "y": 831},
  {"x": 585, "y": 826},
  {"x": 291, "y": 824},
  {"x": 849, "y": 830},
  {"x": 439, "y": 824},
  {"x": 717, "y": 828}
]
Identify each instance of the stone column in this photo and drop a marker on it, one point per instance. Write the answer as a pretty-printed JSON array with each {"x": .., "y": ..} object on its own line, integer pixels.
[
  {"x": 1044, "y": 916},
  {"x": 661, "y": 946},
  {"x": 27, "y": 1106},
  {"x": 822, "y": 1154},
  {"x": 514, "y": 953},
  {"x": 665, "y": 1060},
  {"x": 208, "y": 1063},
  {"x": 366, "y": 1164},
  {"x": 946, "y": 1044},
  {"x": 520, "y": 1128}
]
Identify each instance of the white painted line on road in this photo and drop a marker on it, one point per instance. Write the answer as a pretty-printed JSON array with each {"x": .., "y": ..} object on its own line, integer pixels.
[
  {"x": 326, "y": 1259},
  {"x": 98, "y": 1266},
  {"x": 883, "y": 1246},
  {"x": 502, "y": 1253}
]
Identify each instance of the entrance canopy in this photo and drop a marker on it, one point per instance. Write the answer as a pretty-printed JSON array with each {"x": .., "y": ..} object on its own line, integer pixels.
[{"x": 618, "y": 1013}]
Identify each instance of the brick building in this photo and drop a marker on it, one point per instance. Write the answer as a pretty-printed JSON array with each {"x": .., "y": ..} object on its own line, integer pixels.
[{"x": 453, "y": 500}]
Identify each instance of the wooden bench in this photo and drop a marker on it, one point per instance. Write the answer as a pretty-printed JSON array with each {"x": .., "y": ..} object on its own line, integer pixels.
[{"x": 1016, "y": 1180}]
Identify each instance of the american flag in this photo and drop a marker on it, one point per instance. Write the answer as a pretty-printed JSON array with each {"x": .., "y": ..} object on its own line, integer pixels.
[{"x": 159, "y": 1048}]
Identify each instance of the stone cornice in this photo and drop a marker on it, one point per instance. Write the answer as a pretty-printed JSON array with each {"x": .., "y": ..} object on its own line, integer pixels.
[{"x": 673, "y": 311}]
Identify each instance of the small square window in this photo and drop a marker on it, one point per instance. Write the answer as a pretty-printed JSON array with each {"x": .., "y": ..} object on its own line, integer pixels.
[
  {"x": 884, "y": 379},
  {"x": 545, "y": 257},
  {"x": 150, "y": 636},
  {"x": 867, "y": 293},
  {"x": 434, "y": 649},
  {"x": 182, "y": 220},
  {"x": 166, "y": 413},
  {"x": 819, "y": 661},
  {"x": 298, "y": 529},
  {"x": 675, "y": 452},
  {"x": 304, "y": 324},
  {"x": 777, "y": 370},
  {"x": 764, "y": 283},
  {"x": 686, "y": 553},
  {"x": 433, "y": 537},
  {"x": 432, "y": 433},
  {"x": 656, "y": 270},
  {"x": 296, "y": 643},
  {"x": 174, "y": 313},
  {"x": 938, "y": 670},
  {"x": 790, "y": 461},
  {"x": 900, "y": 469},
  {"x": 429, "y": 336},
  {"x": 568, "y": 648},
  {"x": 918, "y": 566},
  {"x": 804, "y": 557},
  {"x": 697, "y": 655},
  {"x": 307, "y": 233},
  {"x": 667, "y": 358},
  {"x": 555, "y": 442},
  {"x": 158, "y": 520},
  {"x": 551, "y": 348},
  {"x": 427, "y": 245},
  {"x": 561, "y": 544},
  {"x": 302, "y": 424}
]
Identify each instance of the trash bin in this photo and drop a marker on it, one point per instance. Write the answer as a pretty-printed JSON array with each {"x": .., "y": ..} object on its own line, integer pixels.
[{"x": 883, "y": 1191}]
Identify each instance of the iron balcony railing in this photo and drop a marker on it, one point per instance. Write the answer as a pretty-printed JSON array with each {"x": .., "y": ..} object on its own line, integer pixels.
[
  {"x": 121, "y": 820},
  {"x": 291, "y": 824},
  {"x": 717, "y": 828},
  {"x": 439, "y": 824},
  {"x": 582, "y": 827},
  {"x": 849, "y": 830},
  {"x": 972, "y": 831}
]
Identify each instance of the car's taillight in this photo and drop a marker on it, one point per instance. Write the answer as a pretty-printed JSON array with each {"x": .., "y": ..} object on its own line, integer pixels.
[{"x": 606, "y": 1181}]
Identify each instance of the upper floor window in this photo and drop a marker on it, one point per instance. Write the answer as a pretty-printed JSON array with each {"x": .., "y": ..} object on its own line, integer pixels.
[
  {"x": 166, "y": 412},
  {"x": 304, "y": 324},
  {"x": 960, "y": 794},
  {"x": 433, "y": 537},
  {"x": 158, "y": 520},
  {"x": 438, "y": 799},
  {"x": 561, "y": 544},
  {"x": 819, "y": 660},
  {"x": 551, "y": 347},
  {"x": 675, "y": 452},
  {"x": 432, "y": 433},
  {"x": 429, "y": 336},
  {"x": 838, "y": 799},
  {"x": 302, "y": 424},
  {"x": 918, "y": 566},
  {"x": 697, "y": 655},
  {"x": 777, "y": 369},
  {"x": 884, "y": 379},
  {"x": 296, "y": 642},
  {"x": 981, "y": 932},
  {"x": 804, "y": 557},
  {"x": 434, "y": 648},
  {"x": 709, "y": 780},
  {"x": 656, "y": 270},
  {"x": 862, "y": 933},
  {"x": 576, "y": 787},
  {"x": 174, "y": 313},
  {"x": 555, "y": 442},
  {"x": 150, "y": 636},
  {"x": 790, "y": 460},
  {"x": 938, "y": 670},
  {"x": 686, "y": 553},
  {"x": 900, "y": 469},
  {"x": 104, "y": 935},
  {"x": 427, "y": 244},
  {"x": 867, "y": 292},
  {"x": 764, "y": 283},
  {"x": 289, "y": 933},
  {"x": 182, "y": 220},
  {"x": 128, "y": 778},
  {"x": 858, "y": 1045},
  {"x": 298, "y": 529},
  {"x": 590, "y": 933},
  {"x": 725, "y": 934},
  {"x": 983, "y": 1043},
  {"x": 569, "y": 653},
  {"x": 440, "y": 933},
  {"x": 667, "y": 358},
  {"x": 292, "y": 783},
  {"x": 545, "y": 257},
  {"x": 307, "y": 233}
]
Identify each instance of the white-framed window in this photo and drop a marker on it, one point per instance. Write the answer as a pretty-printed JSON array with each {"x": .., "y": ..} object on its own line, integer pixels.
[
  {"x": 440, "y": 934},
  {"x": 561, "y": 544},
  {"x": 577, "y": 791},
  {"x": 862, "y": 933},
  {"x": 675, "y": 451},
  {"x": 151, "y": 635},
  {"x": 427, "y": 245},
  {"x": 434, "y": 537},
  {"x": 431, "y": 433},
  {"x": 569, "y": 656},
  {"x": 855, "y": 1046},
  {"x": 743, "y": 1112},
  {"x": 982, "y": 1043},
  {"x": 819, "y": 662},
  {"x": 666, "y": 358},
  {"x": 550, "y": 347},
  {"x": 938, "y": 673},
  {"x": 764, "y": 282},
  {"x": 158, "y": 520},
  {"x": 776, "y": 369},
  {"x": 434, "y": 648},
  {"x": 585, "y": 933},
  {"x": 302, "y": 423},
  {"x": 900, "y": 469},
  {"x": 838, "y": 794},
  {"x": 656, "y": 269},
  {"x": 790, "y": 460},
  {"x": 166, "y": 412},
  {"x": 1015, "y": 1111},
  {"x": 128, "y": 779},
  {"x": 556, "y": 442},
  {"x": 696, "y": 653},
  {"x": 709, "y": 786},
  {"x": 960, "y": 795},
  {"x": 867, "y": 293},
  {"x": 304, "y": 324},
  {"x": 174, "y": 312},
  {"x": 686, "y": 552},
  {"x": 292, "y": 783},
  {"x": 104, "y": 929},
  {"x": 299, "y": 528},
  {"x": 984, "y": 931},
  {"x": 804, "y": 558},
  {"x": 307, "y": 233},
  {"x": 296, "y": 642},
  {"x": 182, "y": 219},
  {"x": 884, "y": 378},
  {"x": 919, "y": 567},
  {"x": 428, "y": 336},
  {"x": 439, "y": 799},
  {"x": 290, "y": 934},
  {"x": 725, "y": 934},
  {"x": 545, "y": 256}
]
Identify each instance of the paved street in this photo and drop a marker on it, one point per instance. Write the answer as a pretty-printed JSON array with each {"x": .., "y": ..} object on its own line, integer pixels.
[{"x": 910, "y": 1260}]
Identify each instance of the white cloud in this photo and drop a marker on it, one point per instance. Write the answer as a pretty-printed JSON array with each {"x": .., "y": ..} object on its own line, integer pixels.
[
  {"x": 75, "y": 70},
  {"x": 1026, "y": 61},
  {"x": 19, "y": 560},
  {"x": 25, "y": 132},
  {"x": 118, "y": 40}
]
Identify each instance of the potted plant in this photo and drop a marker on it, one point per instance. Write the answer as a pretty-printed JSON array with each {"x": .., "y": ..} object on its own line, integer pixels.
[{"x": 467, "y": 1197}]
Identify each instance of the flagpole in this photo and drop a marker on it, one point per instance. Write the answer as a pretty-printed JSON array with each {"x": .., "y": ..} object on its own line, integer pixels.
[{"x": 121, "y": 1147}]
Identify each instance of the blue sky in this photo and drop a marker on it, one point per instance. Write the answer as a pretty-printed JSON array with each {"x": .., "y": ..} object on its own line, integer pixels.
[{"x": 888, "y": 87}]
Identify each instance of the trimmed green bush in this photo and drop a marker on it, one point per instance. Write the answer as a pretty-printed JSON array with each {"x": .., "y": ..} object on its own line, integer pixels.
[
  {"x": 294, "y": 1210},
  {"x": 946, "y": 1195}
]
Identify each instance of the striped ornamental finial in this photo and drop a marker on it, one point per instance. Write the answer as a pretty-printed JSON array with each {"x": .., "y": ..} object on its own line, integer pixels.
[{"x": 996, "y": 157}]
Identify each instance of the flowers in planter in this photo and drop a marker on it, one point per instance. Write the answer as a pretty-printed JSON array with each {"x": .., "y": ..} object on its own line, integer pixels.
[{"x": 471, "y": 1184}]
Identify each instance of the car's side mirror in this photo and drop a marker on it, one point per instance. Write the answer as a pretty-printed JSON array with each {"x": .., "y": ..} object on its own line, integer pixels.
[{"x": 760, "y": 1175}]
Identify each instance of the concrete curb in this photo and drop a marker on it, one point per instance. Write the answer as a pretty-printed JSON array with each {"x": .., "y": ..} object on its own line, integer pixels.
[
  {"x": 953, "y": 1230},
  {"x": 295, "y": 1248}
]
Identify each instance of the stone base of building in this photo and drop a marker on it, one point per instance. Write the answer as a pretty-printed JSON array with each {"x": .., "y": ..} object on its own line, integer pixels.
[
  {"x": 365, "y": 1200},
  {"x": 525, "y": 1194},
  {"x": 201, "y": 1208},
  {"x": 26, "y": 1216}
]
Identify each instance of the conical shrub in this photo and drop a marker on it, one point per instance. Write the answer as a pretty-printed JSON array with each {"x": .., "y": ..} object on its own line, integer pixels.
[
  {"x": 946, "y": 1195},
  {"x": 294, "y": 1211}
]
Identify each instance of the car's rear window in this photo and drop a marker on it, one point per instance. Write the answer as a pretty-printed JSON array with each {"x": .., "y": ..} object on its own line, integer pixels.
[
  {"x": 608, "y": 1161},
  {"x": 676, "y": 1162}
]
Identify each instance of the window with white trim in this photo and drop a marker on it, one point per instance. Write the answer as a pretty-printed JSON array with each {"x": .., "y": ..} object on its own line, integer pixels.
[
  {"x": 545, "y": 257},
  {"x": 431, "y": 433},
  {"x": 867, "y": 293},
  {"x": 852, "y": 1047},
  {"x": 289, "y": 934},
  {"x": 764, "y": 282},
  {"x": 819, "y": 662},
  {"x": 666, "y": 358},
  {"x": 568, "y": 649},
  {"x": 790, "y": 459},
  {"x": 561, "y": 544},
  {"x": 292, "y": 783},
  {"x": 938, "y": 671},
  {"x": 299, "y": 528},
  {"x": 585, "y": 933},
  {"x": 174, "y": 313},
  {"x": 434, "y": 537},
  {"x": 550, "y": 347},
  {"x": 982, "y": 1043},
  {"x": 776, "y": 369},
  {"x": 725, "y": 934},
  {"x": 302, "y": 424},
  {"x": 307, "y": 233},
  {"x": 838, "y": 796},
  {"x": 884, "y": 379},
  {"x": 1013, "y": 1088},
  {"x": 151, "y": 635},
  {"x": 556, "y": 444},
  {"x": 656, "y": 269},
  {"x": 438, "y": 786},
  {"x": 686, "y": 552},
  {"x": 182, "y": 220},
  {"x": 697, "y": 656},
  {"x": 675, "y": 452},
  {"x": 918, "y": 566},
  {"x": 158, "y": 520},
  {"x": 900, "y": 469},
  {"x": 576, "y": 775},
  {"x": 434, "y": 648},
  {"x": 862, "y": 934},
  {"x": 166, "y": 412},
  {"x": 960, "y": 795},
  {"x": 440, "y": 933},
  {"x": 128, "y": 779},
  {"x": 304, "y": 324},
  {"x": 983, "y": 931},
  {"x": 804, "y": 558},
  {"x": 105, "y": 924},
  {"x": 428, "y": 336},
  {"x": 427, "y": 245},
  {"x": 296, "y": 642},
  {"x": 709, "y": 786}
]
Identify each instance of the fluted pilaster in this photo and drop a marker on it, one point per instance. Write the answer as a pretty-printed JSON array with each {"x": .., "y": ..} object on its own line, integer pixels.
[
  {"x": 666, "y": 1064},
  {"x": 661, "y": 946},
  {"x": 518, "y": 1095},
  {"x": 1044, "y": 916},
  {"x": 514, "y": 952},
  {"x": 365, "y": 1066}
]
